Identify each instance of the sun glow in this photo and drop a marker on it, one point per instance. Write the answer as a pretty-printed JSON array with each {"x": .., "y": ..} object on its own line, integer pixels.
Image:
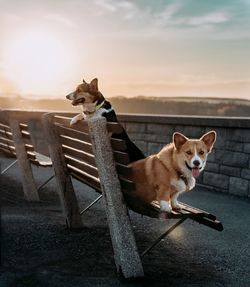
[{"x": 36, "y": 60}]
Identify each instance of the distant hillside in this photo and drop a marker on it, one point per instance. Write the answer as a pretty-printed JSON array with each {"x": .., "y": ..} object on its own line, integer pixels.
[{"x": 144, "y": 105}]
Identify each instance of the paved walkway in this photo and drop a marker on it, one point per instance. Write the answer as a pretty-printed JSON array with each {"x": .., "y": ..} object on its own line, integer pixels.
[{"x": 37, "y": 249}]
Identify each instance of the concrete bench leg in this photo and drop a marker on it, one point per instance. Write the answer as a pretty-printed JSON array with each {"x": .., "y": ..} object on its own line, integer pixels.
[
  {"x": 127, "y": 258},
  {"x": 63, "y": 179},
  {"x": 29, "y": 187}
]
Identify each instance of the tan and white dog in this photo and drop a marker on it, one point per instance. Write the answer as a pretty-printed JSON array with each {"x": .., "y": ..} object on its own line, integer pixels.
[
  {"x": 93, "y": 104},
  {"x": 163, "y": 176},
  {"x": 90, "y": 99}
]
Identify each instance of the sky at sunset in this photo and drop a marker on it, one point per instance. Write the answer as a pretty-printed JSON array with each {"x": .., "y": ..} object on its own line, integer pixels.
[{"x": 197, "y": 48}]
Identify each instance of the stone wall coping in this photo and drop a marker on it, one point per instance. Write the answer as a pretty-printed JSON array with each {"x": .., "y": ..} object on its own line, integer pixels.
[{"x": 225, "y": 122}]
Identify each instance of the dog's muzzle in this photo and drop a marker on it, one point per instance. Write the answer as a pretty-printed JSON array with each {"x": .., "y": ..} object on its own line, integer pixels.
[
  {"x": 76, "y": 100},
  {"x": 70, "y": 96}
]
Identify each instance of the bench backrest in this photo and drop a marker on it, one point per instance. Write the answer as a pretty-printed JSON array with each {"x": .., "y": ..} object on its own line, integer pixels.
[
  {"x": 6, "y": 140},
  {"x": 78, "y": 152},
  {"x": 7, "y": 144}
]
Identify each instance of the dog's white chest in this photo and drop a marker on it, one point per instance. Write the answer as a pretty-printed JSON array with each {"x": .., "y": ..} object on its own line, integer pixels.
[{"x": 182, "y": 185}]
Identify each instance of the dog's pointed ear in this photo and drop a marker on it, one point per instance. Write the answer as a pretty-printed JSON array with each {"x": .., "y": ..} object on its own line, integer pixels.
[
  {"x": 94, "y": 85},
  {"x": 209, "y": 139},
  {"x": 84, "y": 81},
  {"x": 179, "y": 140}
]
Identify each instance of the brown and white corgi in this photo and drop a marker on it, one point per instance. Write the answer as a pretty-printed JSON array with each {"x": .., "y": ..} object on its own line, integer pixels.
[
  {"x": 163, "y": 176},
  {"x": 93, "y": 104}
]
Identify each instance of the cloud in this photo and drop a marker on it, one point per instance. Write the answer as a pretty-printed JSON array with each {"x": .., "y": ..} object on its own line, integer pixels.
[
  {"x": 125, "y": 8},
  {"x": 166, "y": 16},
  {"x": 211, "y": 18}
]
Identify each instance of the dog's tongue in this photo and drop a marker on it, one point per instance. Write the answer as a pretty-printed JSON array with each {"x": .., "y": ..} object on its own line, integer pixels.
[{"x": 195, "y": 172}]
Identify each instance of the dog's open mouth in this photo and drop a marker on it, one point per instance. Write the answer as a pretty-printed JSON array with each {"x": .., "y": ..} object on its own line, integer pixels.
[
  {"x": 78, "y": 102},
  {"x": 195, "y": 170}
]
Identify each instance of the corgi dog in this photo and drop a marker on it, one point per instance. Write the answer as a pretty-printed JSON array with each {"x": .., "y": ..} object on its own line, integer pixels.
[
  {"x": 93, "y": 104},
  {"x": 164, "y": 176},
  {"x": 91, "y": 101}
]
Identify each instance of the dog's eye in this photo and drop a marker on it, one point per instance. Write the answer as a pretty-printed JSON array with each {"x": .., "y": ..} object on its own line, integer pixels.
[
  {"x": 201, "y": 152},
  {"x": 189, "y": 152}
]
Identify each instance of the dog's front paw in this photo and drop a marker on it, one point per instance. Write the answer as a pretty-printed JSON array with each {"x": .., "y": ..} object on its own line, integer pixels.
[
  {"x": 174, "y": 203},
  {"x": 176, "y": 206},
  {"x": 73, "y": 121},
  {"x": 165, "y": 206}
]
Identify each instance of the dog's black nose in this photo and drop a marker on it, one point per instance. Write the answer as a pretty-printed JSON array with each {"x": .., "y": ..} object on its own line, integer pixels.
[{"x": 196, "y": 163}]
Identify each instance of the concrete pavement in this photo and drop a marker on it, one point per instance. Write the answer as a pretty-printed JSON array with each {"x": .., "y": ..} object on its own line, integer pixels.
[{"x": 37, "y": 249}]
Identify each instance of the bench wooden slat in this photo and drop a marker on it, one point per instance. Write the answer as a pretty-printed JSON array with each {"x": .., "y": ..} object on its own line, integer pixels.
[
  {"x": 84, "y": 177},
  {"x": 5, "y": 127},
  {"x": 123, "y": 170},
  {"x": 127, "y": 184},
  {"x": 65, "y": 121},
  {"x": 121, "y": 157},
  {"x": 88, "y": 158},
  {"x": 7, "y": 151},
  {"x": 82, "y": 166},
  {"x": 5, "y": 133},
  {"x": 76, "y": 144},
  {"x": 118, "y": 144},
  {"x": 31, "y": 155},
  {"x": 195, "y": 210},
  {"x": 24, "y": 127},
  {"x": 6, "y": 141},
  {"x": 61, "y": 130},
  {"x": 114, "y": 127},
  {"x": 29, "y": 147},
  {"x": 7, "y": 147},
  {"x": 25, "y": 135}
]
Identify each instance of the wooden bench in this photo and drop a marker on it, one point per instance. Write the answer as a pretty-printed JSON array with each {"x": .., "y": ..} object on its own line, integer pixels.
[
  {"x": 16, "y": 141},
  {"x": 89, "y": 153},
  {"x": 7, "y": 145}
]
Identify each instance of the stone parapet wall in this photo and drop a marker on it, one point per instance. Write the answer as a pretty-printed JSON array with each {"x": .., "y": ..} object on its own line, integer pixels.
[{"x": 228, "y": 166}]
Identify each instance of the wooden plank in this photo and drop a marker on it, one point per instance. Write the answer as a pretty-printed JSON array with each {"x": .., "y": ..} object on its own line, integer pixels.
[
  {"x": 24, "y": 127},
  {"x": 118, "y": 144},
  {"x": 8, "y": 147},
  {"x": 61, "y": 130},
  {"x": 127, "y": 184},
  {"x": 123, "y": 170},
  {"x": 35, "y": 162},
  {"x": 31, "y": 155},
  {"x": 7, "y": 151},
  {"x": 195, "y": 210},
  {"x": 82, "y": 166},
  {"x": 81, "y": 155},
  {"x": 6, "y": 134},
  {"x": 76, "y": 144},
  {"x": 121, "y": 157},
  {"x": 26, "y": 135},
  {"x": 84, "y": 177},
  {"x": 5, "y": 127},
  {"x": 114, "y": 127},
  {"x": 215, "y": 224},
  {"x": 6, "y": 141},
  {"x": 65, "y": 121},
  {"x": 89, "y": 182},
  {"x": 29, "y": 147}
]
